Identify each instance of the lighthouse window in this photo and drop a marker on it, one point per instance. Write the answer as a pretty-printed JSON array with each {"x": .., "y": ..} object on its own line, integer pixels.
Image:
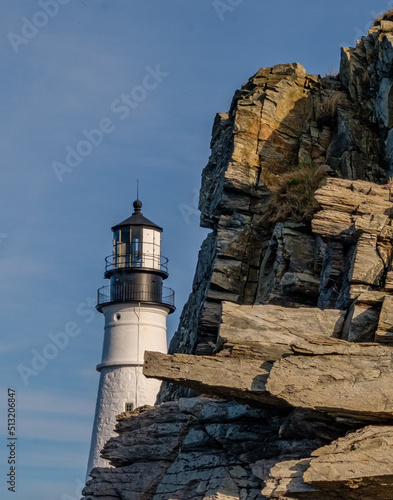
[
  {"x": 129, "y": 406},
  {"x": 125, "y": 235},
  {"x": 115, "y": 248},
  {"x": 125, "y": 241},
  {"x": 136, "y": 247},
  {"x": 121, "y": 249}
]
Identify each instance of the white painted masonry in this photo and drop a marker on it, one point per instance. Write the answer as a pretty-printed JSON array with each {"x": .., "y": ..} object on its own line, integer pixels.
[
  {"x": 128, "y": 326},
  {"x": 130, "y": 329}
]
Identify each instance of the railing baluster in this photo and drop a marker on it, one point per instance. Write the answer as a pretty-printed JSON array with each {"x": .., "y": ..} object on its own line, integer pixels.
[
  {"x": 121, "y": 292},
  {"x": 150, "y": 260}
]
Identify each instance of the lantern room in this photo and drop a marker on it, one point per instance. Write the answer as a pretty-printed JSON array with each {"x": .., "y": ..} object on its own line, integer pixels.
[
  {"x": 136, "y": 269},
  {"x": 136, "y": 245}
]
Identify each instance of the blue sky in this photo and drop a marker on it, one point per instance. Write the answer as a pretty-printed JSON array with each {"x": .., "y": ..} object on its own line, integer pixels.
[{"x": 67, "y": 77}]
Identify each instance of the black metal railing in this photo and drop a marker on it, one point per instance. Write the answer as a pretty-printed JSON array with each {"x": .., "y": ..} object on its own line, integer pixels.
[
  {"x": 128, "y": 292},
  {"x": 128, "y": 256}
]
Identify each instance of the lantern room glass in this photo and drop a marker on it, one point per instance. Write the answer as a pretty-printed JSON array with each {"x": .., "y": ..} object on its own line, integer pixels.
[
  {"x": 136, "y": 248},
  {"x": 133, "y": 248}
]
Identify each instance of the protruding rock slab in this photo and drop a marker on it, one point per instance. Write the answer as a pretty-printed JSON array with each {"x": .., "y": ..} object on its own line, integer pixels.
[
  {"x": 270, "y": 321},
  {"x": 356, "y": 384},
  {"x": 358, "y": 466},
  {"x": 281, "y": 356},
  {"x": 271, "y": 331},
  {"x": 349, "y": 385},
  {"x": 240, "y": 378}
]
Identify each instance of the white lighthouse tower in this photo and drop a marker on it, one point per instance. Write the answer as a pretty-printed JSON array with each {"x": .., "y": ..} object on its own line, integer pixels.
[{"x": 135, "y": 306}]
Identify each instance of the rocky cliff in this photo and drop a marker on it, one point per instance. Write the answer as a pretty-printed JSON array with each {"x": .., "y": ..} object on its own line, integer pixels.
[{"x": 288, "y": 331}]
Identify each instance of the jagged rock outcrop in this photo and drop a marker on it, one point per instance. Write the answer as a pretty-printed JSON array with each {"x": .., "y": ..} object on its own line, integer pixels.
[
  {"x": 201, "y": 448},
  {"x": 290, "y": 318}
]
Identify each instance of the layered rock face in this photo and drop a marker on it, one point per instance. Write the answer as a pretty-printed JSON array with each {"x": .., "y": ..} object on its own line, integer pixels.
[
  {"x": 281, "y": 121},
  {"x": 288, "y": 331}
]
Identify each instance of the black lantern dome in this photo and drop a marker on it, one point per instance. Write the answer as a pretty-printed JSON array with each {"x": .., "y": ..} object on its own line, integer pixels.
[{"x": 137, "y": 219}]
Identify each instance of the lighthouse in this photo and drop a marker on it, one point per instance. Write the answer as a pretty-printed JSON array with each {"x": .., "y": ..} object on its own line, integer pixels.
[{"x": 135, "y": 306}]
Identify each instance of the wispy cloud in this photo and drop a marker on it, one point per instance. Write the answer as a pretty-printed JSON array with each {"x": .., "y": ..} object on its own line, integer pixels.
[
  {"x": 45, "y": 428},
  {"x": 36, "y": 401},
  {"x": 14, "y": 346},
  {"x": 62, "y": 459},
  {"x": 53, "y": 418},
  {"x": 20, "y": 266}
]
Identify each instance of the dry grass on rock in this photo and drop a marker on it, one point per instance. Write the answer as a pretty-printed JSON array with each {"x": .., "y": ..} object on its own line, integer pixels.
[
  {"x": 326, "y": 110},
  {"x": 293, "y": 193},
  {"x": 387, "y": 16}
]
